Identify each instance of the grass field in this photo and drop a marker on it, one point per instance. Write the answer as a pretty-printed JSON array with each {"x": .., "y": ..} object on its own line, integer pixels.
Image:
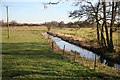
[
  {"x": 27, "y": 55},
  {"x": 87, "y": 33}
]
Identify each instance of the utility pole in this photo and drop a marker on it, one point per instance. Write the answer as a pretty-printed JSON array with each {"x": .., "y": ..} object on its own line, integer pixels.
[{"x": 8, "y": 22}]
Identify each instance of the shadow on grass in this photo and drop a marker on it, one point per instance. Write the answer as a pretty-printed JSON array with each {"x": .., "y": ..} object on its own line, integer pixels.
[
  {"x": 27, "y": 49},
  {"x": 55, "y": 75},
  {"x": 49, "y": 71}
]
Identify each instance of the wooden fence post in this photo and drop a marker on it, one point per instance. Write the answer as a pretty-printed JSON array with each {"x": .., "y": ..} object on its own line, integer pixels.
[
  {"x": 75, "y": 56},
  {"x": 63, "y": 49},
  {"x": 52, "y": 45},
  {"x": 48, "y": 36},
  {"x": 95, "y": 63}
]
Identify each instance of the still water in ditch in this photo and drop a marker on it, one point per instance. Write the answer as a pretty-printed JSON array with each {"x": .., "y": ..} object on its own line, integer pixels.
[{"x": 83, "y": 52}]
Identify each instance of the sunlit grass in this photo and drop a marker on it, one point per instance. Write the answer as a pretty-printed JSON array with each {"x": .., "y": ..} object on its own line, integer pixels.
[
  {"x": 87, "y": 33},
  {"x": 26, "y": 54}
]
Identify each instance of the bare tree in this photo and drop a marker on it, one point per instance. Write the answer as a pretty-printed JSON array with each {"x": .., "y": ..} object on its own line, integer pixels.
[
  {"x": 100, "y": 12},
  {"x": 61, "y": 24}
]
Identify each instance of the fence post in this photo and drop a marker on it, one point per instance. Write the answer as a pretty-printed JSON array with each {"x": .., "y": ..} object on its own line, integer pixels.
[
  {"x": 48, "y": 36},
  {"x": 75, "y": 56},
  {"x": 95, "y": 62},
  {"x": 63, "y": 49},
  {"x": 52, "y": 45}
]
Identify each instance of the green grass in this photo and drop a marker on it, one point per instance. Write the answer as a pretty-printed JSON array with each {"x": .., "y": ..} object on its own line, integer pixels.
[
  {"x": 88, "y": 33},
  {"x": 27, "y": 55}
]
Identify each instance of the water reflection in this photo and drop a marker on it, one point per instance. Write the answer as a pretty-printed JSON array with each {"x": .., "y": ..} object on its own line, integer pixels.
[
  {"x": 108, "y": 63},
  {"x": 117, "y": 66}
]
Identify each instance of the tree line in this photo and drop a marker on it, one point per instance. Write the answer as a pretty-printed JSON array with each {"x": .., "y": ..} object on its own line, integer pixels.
[
  {"x": 52, "y": 24},
  {"x": 76, "y": 24},
  {"x": 14, "y": 23}
]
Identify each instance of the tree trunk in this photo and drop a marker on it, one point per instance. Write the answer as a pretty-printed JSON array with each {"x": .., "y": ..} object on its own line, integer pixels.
[
  {"x": 111, "y": 46},
  {"x": 105, "y": 24},
  {"x": 96, "y": 17},
  {"x": 103, "y": 41},
  {"x": 98, "y": 36}
]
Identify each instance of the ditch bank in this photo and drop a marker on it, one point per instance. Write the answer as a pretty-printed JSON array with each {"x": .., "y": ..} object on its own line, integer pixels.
[
  {"x": 85, "y": 62},
  {"x": 84, "y": 44}
]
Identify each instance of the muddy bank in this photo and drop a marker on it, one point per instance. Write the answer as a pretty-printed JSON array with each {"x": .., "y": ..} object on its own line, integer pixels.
[{"x": 84, "y": 44}]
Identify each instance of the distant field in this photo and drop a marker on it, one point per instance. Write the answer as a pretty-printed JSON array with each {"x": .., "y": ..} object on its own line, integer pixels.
[
  {"x": 27, "y": 55},
  {"x": 87, "y": 33}
]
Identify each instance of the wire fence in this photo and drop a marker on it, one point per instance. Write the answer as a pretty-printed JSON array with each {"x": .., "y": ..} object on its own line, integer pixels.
[{"x": 93, "y": 65}]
